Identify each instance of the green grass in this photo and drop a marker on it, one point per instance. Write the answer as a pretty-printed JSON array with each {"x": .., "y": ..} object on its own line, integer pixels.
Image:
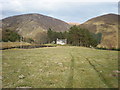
[{"x": 59, "y": 67}]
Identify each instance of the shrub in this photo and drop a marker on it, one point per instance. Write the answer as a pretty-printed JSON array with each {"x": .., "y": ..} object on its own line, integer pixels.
[{"x": 9, "y": 35}]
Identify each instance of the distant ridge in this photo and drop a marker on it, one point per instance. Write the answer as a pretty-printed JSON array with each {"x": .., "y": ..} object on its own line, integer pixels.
[{"x": 73, "y": 23}]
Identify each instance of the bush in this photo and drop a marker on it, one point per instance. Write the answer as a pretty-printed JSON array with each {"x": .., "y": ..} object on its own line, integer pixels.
[
  {"x": 9, "y": 35},
  {"x": 29, "y": 40}
]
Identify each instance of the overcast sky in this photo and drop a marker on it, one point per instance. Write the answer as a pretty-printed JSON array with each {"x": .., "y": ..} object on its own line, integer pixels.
[{"x": 66, "y": 10}]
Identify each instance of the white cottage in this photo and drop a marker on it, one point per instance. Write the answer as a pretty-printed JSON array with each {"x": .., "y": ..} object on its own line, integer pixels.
[{"x": 61, "y": 41}]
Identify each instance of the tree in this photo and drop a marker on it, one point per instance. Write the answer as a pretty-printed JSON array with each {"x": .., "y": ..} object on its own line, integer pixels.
[
  {"x": 81, "y": 37},
  {"x": 50, "y": 35},
  {"x": 9, "y": 35}
]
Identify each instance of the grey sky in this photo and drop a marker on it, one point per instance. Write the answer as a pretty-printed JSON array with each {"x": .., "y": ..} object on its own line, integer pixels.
[{"x": 69, "y": 11}]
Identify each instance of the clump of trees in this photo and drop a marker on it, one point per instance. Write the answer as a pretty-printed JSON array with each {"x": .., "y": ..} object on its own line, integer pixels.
[
  {"x": 81, "y": 37},
  {"x": 76, "y": 36},
  {"x": 12, "y": 36},
  {"x": 52, "y": 35},
  {"x": 9, "y": 35}
]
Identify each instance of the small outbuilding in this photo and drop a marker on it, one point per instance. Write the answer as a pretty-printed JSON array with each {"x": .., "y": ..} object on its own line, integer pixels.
[{"x": 61, "y": 41}]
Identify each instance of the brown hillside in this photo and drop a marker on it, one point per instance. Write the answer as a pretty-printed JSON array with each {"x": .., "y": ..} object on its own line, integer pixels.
[
  {"x": 34, "y": 26},
  {"x": 108, "y": 26}
]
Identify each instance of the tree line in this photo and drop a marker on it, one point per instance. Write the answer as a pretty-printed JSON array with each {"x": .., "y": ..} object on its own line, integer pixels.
[
  {"x": 76, "y": 36},
  {"x": 12, "y": 36}
]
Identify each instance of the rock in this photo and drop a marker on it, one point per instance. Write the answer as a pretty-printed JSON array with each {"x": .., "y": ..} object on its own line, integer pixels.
[
  {"x": 21, "y": 76},
  {"x": 101, "y": 71}
]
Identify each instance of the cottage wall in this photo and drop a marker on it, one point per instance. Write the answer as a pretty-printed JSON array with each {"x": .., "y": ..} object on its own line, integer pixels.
[{"x": 61, "y": 41}]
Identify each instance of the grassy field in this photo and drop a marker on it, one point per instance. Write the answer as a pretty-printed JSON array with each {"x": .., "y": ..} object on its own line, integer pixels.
[{"x": 60, "y": 67}]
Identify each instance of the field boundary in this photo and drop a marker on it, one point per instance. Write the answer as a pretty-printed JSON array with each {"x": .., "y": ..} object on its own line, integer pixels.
[{"x": 26, "y": 47}]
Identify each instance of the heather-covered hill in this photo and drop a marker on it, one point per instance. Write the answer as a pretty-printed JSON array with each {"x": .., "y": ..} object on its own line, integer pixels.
[
  {"x": 34, "y": 26},
  {"x": 107, "y": 25}
]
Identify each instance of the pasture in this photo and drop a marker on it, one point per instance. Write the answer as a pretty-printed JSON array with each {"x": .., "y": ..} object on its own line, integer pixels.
[{"x": 59, "y": 67}]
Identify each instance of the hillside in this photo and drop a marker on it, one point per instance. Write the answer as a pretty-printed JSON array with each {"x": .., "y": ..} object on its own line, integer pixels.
[
  {"x": 34, "y": 26},
  {"x": 108, "y": 26}
]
